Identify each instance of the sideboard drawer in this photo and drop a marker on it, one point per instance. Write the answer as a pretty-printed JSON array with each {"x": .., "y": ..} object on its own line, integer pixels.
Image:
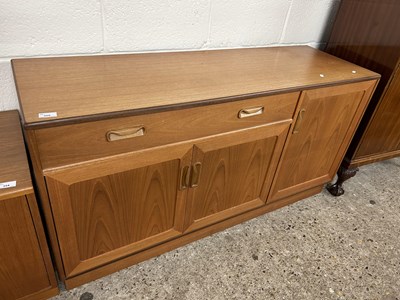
[{"x": 69, "y": 144}]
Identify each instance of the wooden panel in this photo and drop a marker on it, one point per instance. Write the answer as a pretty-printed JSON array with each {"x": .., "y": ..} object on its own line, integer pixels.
[
  {"x": 13, "y": 162},
  {"x": 85, "y": 86},
  {"x": 364, "y": 34},
  {"x": 57, "y": 145},
  {"x": 22, "y": 268},
  {"x": 235, "y": 175},
  {"x": 100, "y": 219},
  {"x": 42, "y": 239},
  {"x": 43, "y": 201},
  {"x": 383, "y": 132},
  {"x": 120, "y": 209},
  {"x": 312, "y": 155}
]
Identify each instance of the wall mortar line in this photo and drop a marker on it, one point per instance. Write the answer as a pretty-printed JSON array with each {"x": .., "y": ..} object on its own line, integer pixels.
[
  {"x": 103, "y": 30},
  {"x": 286, "y": 22},
  {"x": 209, "y": 25}
]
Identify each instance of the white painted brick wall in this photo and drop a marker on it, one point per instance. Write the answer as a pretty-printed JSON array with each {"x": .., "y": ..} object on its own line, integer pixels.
[
  {"x": 72, "y": 27},
  {"x": 246, "y": 23},
  {"x": 309, "y": 20},
  {"x": 155, "y": 25}
]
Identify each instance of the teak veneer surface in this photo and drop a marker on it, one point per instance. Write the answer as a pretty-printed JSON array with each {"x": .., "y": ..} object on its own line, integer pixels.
[
  {"x": 13, "y": 161},
  {"x": 198, "y": 166},
  {"x": 85, "y": 86},
  {"x": 26, "y": 271}
]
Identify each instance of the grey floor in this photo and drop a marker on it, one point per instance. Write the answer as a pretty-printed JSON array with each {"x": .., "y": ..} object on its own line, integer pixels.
[{"x": 319, "y": 248}]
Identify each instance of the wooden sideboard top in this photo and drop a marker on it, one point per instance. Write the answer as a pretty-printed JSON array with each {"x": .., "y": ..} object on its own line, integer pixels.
[
  {"x": 93, "y": 87},
  {"x": 13, "y": 161}
]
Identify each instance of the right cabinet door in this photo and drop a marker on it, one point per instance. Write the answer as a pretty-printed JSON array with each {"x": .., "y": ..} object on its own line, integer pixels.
[
  {"x": 326, "y": 121},
  {"x": 232, "y": 173}
]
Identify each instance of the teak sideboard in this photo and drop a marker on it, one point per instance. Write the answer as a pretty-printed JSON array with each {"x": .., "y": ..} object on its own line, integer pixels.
[
  {"x": 26, "y": 270},
  {"x": 135, "y": 155}
]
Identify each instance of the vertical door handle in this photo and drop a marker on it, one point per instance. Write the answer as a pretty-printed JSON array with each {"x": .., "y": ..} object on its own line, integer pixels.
[
  {"x": 299, "y": 121},
  {"x": 194, "y": 178},
  {"x": 185, "y": 177}
]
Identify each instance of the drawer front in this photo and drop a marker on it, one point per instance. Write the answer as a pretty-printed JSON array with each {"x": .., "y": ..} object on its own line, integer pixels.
[{"x": 70, "y": 144}]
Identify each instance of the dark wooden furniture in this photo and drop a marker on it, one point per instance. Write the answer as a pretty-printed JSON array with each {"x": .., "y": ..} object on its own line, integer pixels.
[
  {"x": 367, "y": 33},
  {"x": 135, "y": 155},
  {"x": 26, "y": 271}
]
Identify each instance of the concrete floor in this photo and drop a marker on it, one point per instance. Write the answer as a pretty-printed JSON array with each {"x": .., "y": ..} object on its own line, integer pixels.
[{"x": 319, "y": 248}]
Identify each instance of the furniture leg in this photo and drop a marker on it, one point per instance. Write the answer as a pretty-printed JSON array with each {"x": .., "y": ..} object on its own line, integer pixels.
[{"x": 343, "y": 175}]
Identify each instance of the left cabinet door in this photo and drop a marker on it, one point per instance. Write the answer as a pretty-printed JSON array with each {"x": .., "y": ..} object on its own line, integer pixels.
[{"x": 120, "y": 205}]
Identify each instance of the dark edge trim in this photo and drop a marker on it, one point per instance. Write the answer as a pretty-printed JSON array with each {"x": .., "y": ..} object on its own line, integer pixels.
[{"x": 171, "y": 107}]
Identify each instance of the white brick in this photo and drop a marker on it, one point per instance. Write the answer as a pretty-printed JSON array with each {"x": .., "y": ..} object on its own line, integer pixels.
[
  {"x": 8, "y": 95},
  {"x": 43, "y": 27},
  {"x": 310, "y": 21},
  {"x": 154, "y": 24},
  {"x": 247, "y": 23}
]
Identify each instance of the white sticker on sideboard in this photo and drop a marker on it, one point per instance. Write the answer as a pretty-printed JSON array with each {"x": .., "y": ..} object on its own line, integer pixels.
[
  {"x": 9, "y": 184},
  {"x": 48, "y": 114}
]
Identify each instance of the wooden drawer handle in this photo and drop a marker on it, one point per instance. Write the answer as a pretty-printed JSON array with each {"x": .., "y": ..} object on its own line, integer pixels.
[
  {"x": 299, "y": 120},
  {"x": 115, "y": 135},
  {"x": 250, "y": 112}
]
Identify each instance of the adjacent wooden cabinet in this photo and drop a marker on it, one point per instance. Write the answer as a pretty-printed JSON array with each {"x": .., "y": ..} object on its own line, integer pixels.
[
  {"x": 135, "y": 155},
  {"x": 26, "y": 271},
  {"x": 366, "y": 32}
]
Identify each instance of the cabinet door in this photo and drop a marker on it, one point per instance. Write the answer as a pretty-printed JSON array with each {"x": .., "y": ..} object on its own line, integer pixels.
[
  {"x": 22, "y": 268},
  {"x": 114, "y": 207},
  {"x": 232, "y": 173},
  {"x": 325, "y": 124}
]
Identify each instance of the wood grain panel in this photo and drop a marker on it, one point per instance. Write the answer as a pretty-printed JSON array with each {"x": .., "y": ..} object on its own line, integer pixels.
[
  {"x": 312, "y": 155},
  {"x": 231, "y": 176},
  {"x": 365, "y": 34},
  {"x": 57, "y": 145},
  {"x": 105, "y": 217},
  {"x": 43, "y": 200},
  {"x": 75, "y": 87},
  {"x": 121, "y": 209},
  {"x": 235, "y": 175},
  {"x": 13, "y": 161},
  {"x": 26, "y": 270},
  {"x": 22, "y": 268},
  {"x": 383, "y": 133}
]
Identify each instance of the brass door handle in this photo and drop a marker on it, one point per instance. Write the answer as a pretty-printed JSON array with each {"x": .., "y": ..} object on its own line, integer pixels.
[
  {"x": 185, "y": 177},
  {"x": 115, "y": 135},
  {"x": 250, "y": 112},
  {"x": 299, "y": 121},
  {"x": 194, "y": 178}
]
